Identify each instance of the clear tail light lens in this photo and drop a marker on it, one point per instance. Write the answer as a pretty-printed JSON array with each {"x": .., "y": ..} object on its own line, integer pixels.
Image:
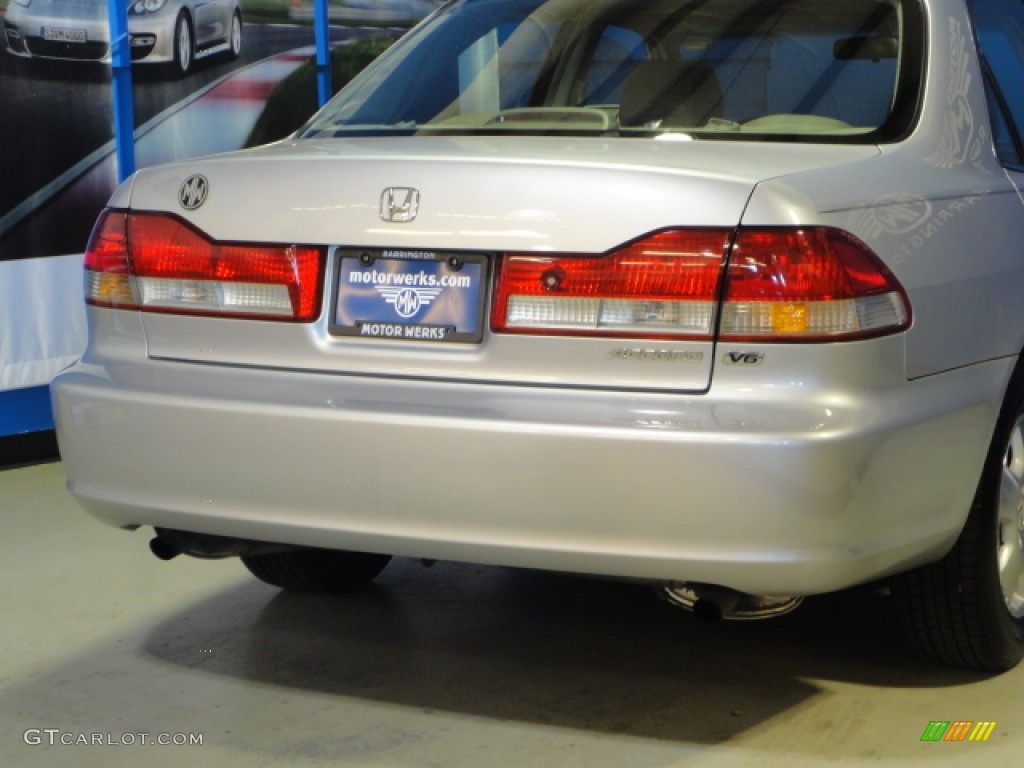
[
  {"x": 158, "y": 263},
  {"x": 780, "y": 284},
  {"x": 663, "y": 286}
]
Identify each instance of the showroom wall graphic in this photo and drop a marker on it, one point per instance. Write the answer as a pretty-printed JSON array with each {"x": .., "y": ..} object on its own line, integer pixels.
[{"x": 181, "y": 79}]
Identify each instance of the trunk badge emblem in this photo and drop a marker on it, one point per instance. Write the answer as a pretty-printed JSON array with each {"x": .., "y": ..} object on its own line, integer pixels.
[
  {"x": 193, "y": 192},
  {"x": 399, "y": 204}
]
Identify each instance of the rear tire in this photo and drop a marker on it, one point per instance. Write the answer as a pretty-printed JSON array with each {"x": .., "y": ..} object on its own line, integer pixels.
[
  {"x": 316, "y": 570},
  {"x": 967, "y": 610}
]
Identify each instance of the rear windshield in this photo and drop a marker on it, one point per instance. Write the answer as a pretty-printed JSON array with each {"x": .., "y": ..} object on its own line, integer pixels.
[{"x": 799, "y": 70}]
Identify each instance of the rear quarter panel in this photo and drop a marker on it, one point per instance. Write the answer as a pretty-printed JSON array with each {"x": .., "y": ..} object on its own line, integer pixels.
[{"x": 938, "y": 208}]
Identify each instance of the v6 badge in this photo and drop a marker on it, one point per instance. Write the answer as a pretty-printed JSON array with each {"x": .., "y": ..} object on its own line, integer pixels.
[{"x": 743, "y": 358}]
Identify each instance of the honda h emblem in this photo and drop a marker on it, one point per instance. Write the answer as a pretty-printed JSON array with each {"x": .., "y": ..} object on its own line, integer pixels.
[{"x": 399, "y": 204}]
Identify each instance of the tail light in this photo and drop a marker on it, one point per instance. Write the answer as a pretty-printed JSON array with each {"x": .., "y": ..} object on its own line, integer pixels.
[
  {"x": 808, "y": 284},
  {"x": 664, "y": 286},
  {"x": 157, "y": 263},
  {"x": 780, "y": 284}
]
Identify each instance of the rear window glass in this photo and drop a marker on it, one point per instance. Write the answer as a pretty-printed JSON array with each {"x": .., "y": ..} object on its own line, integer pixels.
[{"x": 835, "y": 70}]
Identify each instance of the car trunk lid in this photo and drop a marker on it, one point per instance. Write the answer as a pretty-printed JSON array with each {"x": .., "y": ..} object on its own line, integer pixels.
[{"x": 395, "y": 216}]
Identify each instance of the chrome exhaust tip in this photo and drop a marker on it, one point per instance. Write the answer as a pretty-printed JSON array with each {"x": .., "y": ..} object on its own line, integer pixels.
[
  {"x": 169, "y": 543},
  {"x": 711, "y": 602}
]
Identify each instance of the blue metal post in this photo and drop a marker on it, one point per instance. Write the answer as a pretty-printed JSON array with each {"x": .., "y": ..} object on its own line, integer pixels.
[
  {"x": 323, "y": 51},
  {"x": 121, "y": 77}
]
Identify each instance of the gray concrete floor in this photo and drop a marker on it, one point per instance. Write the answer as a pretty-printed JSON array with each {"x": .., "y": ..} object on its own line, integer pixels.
[{"x": 454, "y": 666}]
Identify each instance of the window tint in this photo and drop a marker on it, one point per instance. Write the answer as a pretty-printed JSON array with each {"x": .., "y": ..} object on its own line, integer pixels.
[
  {"x": 498, "y": 70},
  {"x": 726, "y": 69},
  {"x": 802, "y": 74},
  {"x": 615, "y": 56}
]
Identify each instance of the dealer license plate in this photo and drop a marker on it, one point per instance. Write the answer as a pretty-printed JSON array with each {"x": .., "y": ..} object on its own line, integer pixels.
[
  {"x": 419, "y": 296},
  {"x": 61, "y": 35}
]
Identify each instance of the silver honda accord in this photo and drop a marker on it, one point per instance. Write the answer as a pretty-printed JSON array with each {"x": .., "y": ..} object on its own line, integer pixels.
[{"x": 721, "y": 295}]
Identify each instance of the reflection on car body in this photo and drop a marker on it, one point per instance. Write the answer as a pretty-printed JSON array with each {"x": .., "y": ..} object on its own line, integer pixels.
[
  {"x": 721, "y": 295},
  {"x": 170, "y": 32}
]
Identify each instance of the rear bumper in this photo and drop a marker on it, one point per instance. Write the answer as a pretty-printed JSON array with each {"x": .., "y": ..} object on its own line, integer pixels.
[{"x": 779, "y": 490}]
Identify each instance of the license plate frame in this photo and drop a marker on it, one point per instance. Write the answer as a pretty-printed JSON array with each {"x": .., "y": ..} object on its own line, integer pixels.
[{"x": 408, "y": 295}]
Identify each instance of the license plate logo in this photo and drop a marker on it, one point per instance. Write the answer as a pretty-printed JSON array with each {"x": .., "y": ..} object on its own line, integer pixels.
[
  {"x": 420, "y": 296},
  {"x": 408, "y": 301}
]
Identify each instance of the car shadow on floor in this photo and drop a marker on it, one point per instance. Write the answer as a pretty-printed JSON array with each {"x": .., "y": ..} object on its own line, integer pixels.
[{"x": 544, "y": 648}]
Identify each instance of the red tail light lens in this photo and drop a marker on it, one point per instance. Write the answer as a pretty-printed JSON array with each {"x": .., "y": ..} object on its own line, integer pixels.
[
  {"x": 158, "y": 263},
  {"x": 781, "y": 284},
  {"x": 814, "y": 283},
  {"x": 663, "y": 286},
  {"x": 108, "y": 279}
]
